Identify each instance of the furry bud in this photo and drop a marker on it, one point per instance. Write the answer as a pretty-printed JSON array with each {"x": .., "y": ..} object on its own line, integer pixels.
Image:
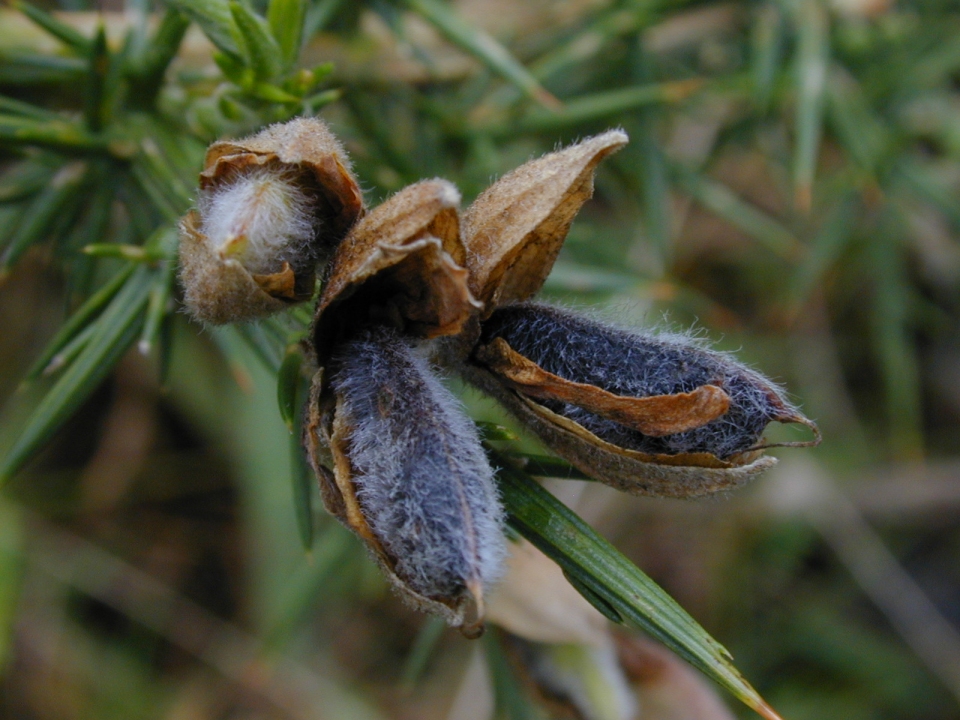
[
  {"x": 409, "y": 475},
  {"x": 270, "y": 208},
  {"x": 652, "y": 414}
]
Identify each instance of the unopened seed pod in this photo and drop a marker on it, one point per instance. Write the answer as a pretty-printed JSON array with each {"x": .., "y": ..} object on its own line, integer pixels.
[
  {"x": 650, "y": 414},
  {"x": 270, "y": 208},
  {"x": 401, "y": 465}
]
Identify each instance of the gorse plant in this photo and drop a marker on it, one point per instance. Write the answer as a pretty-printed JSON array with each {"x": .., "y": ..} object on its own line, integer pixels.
[{"x": 106, "y": 133}]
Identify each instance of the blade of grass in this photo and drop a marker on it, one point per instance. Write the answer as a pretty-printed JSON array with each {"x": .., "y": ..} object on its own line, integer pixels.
[
  {"x": 813, "y": 54},
  {"x": 308, "y": 586},
  {"x": 319, "y": 15},
  {"x": 256, "y": 339},
  {"x": 482, "y": 46},
  {"x": 766, "y": 40},
  {"x": 116, "y": 329},
  {"x": 893, "y": 346},
  {"x": 824, "y": 250},
  {"x": 861, "y": 132},
  {"x": 584, "y": 554},
  {"x": 510, "y": 700},
  {"x": 423, "y": 649},
  {"x": 727, "y": 204},
  {"x": 593, "y": 107},
  {"x": 13, "y": 564}
]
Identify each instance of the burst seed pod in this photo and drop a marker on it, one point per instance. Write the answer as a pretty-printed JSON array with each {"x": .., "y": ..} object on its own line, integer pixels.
[
  {"x": 270, "y": 208},
  {"x": 649, "y": 414},
  {"x": 514, "y": 230},
  {"x": 409, "y": 475},
  {"x": 401, "y": 265}
]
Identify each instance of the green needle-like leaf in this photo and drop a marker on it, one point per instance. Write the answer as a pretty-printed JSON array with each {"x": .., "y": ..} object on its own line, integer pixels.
[
  {"x": 304, "y": 481},
  {"x": 596, "y": 107},
  {"x": 25, "y": 178},
  {"x": 285, "y": 18},
  {"x": 423, "y": 648},
  {"x": 288, "y": 384},
  {"x": 66, "y": 34},
  {"x": 767, "y": 49},
  {"x": 55, "y": 134},
  {"x": 146, "y": 71},
  {"x": 215, "y": 19},
  {"x": 116, "y": 329},
  {"x": 79, "y": 320},
  {"x": 18, "y": 107},
  {"x": 812, "y": 58},
  {"x": 259, "y": 47},
  {"x": 158, "y": 307},
  {"x": 585, "y": 555},
  {"x": 96, "y": 81},
  {"x": 752, "y": 220},
  {"x": 512, "y": 703},
  {"x": 31, "y": 69},
  {"x": 45, "y": 209},
  {"x": 484, "y": 47}
]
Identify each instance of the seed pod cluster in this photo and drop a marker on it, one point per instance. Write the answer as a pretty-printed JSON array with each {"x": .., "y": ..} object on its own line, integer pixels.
[{"x": 398, "y": 461}]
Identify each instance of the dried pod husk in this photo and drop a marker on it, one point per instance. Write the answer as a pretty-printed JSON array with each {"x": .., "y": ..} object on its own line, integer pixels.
[
  {"x": 270, "y": 208},
  {"x": 648, "y": 414},
  {"x": 408, "y": 474},
  {"x": 514, "y": 230},
  {"x": 401, "y": 265}
]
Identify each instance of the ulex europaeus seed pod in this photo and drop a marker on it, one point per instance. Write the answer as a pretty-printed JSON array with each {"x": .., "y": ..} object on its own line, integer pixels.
[
  {"x": 270, "y": 208},
  {"x": 401, "y": 465},
  {"x": 649, "y": 414}
]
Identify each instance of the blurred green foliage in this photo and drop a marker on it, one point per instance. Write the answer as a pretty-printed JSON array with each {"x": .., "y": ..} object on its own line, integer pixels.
[{"x": 792, "y": 188}]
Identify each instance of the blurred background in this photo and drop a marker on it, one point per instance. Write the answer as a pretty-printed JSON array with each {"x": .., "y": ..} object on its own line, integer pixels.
[{"x": 791, "y": 191}]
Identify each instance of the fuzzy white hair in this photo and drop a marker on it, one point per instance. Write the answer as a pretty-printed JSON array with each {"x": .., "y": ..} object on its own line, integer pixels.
[{"x": 268, "y": 208}]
